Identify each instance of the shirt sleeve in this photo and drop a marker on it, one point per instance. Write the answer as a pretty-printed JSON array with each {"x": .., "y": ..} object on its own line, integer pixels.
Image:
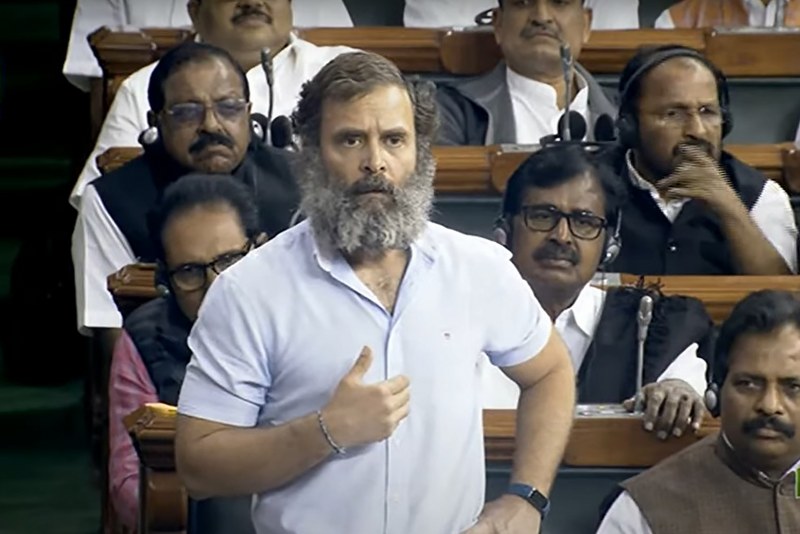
[
  {"x": 125, "y": 120},
  {"x": 227, "y": 378},
  {"x": 327, "y": 13},
  {"x": 129, "y": 388},
  {"x": 690, "y": 368},
  {"x": 624, "y": 517},
  {"x": 517, "y": 326},
  {"x": 614, "y": 14},
  {"x": 80, "y": 63},
  {"x": 773, "y": 214},
  {"x": 98, "y": 249},
  {"x": 664, "y": 21}
]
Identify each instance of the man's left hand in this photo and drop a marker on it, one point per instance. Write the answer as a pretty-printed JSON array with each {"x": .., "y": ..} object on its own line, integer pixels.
[
  {"x": 698, "y": 176},
  {"x": 670, "y": 407},
  {"x": 507, "y": 515}
]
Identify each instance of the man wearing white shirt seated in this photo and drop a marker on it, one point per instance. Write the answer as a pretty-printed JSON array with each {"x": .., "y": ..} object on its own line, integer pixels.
[
  {"x": 90, "y": 15},
  {"x": 729, "y": 14},
  {"x": 606, "y": 14},
  {"x": 243, "y": 28},
  {"x": 522, "y": 99},
  {"x": 560, "y": 219},
  {"x": 741, "y": 479}
]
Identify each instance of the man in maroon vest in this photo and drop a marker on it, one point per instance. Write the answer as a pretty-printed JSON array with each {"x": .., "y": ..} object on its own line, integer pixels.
[{"x": 742, "y": 479}]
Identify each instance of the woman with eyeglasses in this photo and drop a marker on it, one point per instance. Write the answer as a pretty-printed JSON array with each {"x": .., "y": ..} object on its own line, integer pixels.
[{"x": 203, "y": 225}]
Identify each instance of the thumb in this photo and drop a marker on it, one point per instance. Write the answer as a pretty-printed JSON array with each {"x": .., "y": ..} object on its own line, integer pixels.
[
  {"x": 629, "y": 404},
  {"x": 362, "y": 364}
]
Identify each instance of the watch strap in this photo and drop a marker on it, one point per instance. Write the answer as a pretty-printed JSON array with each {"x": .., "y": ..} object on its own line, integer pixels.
[{"x": 534, "y": 497}]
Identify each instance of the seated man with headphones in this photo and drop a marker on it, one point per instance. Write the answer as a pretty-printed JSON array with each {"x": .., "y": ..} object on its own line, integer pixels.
[
  {"x": 200, "y": 114},
  {"x": 741, "y": 479},
  {"x": 695, "y": 209},
  {"x": 203, "y": 225},
  {"x": 561, "y": 216}
]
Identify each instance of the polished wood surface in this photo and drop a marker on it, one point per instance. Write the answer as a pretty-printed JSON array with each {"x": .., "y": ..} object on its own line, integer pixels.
[
  {"x": 719, "y": 294},
  {"x": 484, "y": 170}
]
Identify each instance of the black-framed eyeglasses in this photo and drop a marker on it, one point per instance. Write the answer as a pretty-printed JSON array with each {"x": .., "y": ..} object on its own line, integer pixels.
[
  {"x": 195, "y": 112},
  {"x": 194, "y": 276},
  {"x": 582, "y": 224}
]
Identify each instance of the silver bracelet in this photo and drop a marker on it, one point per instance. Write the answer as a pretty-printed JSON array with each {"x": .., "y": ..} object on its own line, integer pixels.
[{"x": 336, "y": 448}]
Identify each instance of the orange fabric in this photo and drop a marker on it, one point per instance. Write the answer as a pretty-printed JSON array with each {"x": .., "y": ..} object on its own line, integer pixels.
[{"x": 722, "y": 13}]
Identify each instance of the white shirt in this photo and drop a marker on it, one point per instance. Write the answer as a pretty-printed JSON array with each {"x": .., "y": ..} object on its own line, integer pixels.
[
  {"x": 536, "y": 112},
  {"x": 99, "y": 248},
  {"x": 255, "y": 364},
  {"x": 759, "y": 15},
  {"x": 797, "y": 137},
  {"x": 625, "y": 517},
  {"x": 606, "y": 14},
  {"x": 772, "y": 213},
  {"x": 577, "y": 325},
  {"x": 127, "y": 116},
  {"x": 90, "y": 15}
]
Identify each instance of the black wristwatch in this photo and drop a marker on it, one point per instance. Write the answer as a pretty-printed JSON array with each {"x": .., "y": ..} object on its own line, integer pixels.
[{"x": 534, "y": 497}]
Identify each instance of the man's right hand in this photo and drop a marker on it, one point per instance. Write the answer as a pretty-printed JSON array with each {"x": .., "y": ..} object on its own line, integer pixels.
[{"x": 362, "y": 413}]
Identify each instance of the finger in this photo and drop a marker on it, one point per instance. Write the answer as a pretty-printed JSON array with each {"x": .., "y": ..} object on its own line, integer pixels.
[
  {"x": 683, "y": 416},
  {"x": 698, "y": 413},
  {"x": 653, "y": 397},
  {"x": 679, "y": 192},
  {"x": 399, "y": 414},
  {"x": 362, "y": 364},
  {"x": 397, "y": 401},
  {"x": 669, "y": 410},
  {"x": 396, "y": 384},
  {"x": 629, "y": 404}
]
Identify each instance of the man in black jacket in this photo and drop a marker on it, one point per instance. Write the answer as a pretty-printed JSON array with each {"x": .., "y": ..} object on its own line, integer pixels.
[
  {"x": 200, "y": 122},
  {"x": 561, "y": 214},
  {"x": 694, "y": 209}
]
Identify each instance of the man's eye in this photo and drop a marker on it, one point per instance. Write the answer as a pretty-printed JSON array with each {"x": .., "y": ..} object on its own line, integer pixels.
[
  {"x": 395, "y": 140},
  {"x": 351, "y": 141}
]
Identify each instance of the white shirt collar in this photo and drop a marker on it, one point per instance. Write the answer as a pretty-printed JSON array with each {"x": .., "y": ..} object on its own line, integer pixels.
[
  {"x": 585, "y": 312},
  {"x": 535, "y": 90}
]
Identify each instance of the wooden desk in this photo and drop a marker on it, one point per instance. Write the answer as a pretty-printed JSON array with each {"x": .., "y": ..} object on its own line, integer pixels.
[
  {"x": 460, "y": 52},
  {"x": 484, "y": 170},
  {"x": 595, "y": 442}
]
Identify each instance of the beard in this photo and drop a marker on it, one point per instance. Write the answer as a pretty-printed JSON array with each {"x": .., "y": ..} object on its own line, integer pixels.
[{"x": 372, "y": 215}]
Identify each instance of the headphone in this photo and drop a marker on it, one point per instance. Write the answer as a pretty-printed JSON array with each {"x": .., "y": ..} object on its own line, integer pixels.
[
  {"x": 717, "y": 372},
  {"x": 627, "y": 123},
  {"x": 162, "y": 279},
  {"x": 612, "y": 245},
  {"x": 149, "y": 135}
]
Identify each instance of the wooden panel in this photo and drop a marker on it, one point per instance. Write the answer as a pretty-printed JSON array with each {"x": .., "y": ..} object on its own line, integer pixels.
[
  {"x": 607, "y": 52},
  {"x": 719, "y": 294},
  {"x": 758, "y": 54},
  {"x": 595, "y": 441},
  {"x": 479, "y": 170}
]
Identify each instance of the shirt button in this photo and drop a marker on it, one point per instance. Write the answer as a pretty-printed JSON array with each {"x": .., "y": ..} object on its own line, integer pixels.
[{"x": 672, "y": 246}]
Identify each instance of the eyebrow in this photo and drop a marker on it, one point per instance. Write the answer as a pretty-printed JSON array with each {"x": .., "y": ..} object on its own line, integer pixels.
[{"x": 576, "y": 211}]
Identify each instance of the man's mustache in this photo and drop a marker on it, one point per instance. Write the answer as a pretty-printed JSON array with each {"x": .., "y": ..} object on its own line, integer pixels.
[
  {"x": 552, "y": 250},
  {"x": 772, "y": 422},
  {"x": 705, "y": 146},
  {"x": 208, "y": 139},
  {"x": 536, "y": 28},
  {"x": 250, "y": 11},
  {"x": 375, "y": 183}
]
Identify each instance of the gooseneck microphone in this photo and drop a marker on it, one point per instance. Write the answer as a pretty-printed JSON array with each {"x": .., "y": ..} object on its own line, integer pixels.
[
  {"x": 566, "y": 67},
  {"x": 266, "y": 64},
  {"x": 643, "y": 319},
  {"x": 604, "y": 129},
  {"x": 570, "y": 124}
]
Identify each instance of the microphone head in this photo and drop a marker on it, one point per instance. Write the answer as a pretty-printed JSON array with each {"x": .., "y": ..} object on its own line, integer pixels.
[
  {"x": 604, "y": 129},
  {"x": 281, "y": 131},
  {"x": 576, "y": 123},
  {"x": 266, "y": 55},
  {"x": 646, "y": 309},
  {"x": 566, "y": 54},
  {"x": 260, "y": 126}
]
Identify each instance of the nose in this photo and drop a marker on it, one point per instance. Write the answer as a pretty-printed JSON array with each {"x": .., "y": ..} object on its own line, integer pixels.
[
  {"x": 540, "y": 12},
  {"x": 770, "y": 402},
  {"x": 694, "y": 127},
  {"x": 210, "y": 121},
  {"x": 561, "y": 232},
  {"x": 373, "y": 159}
]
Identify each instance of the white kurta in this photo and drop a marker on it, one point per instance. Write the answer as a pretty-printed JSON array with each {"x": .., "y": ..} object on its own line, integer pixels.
[{"x": 759, "y": 15}]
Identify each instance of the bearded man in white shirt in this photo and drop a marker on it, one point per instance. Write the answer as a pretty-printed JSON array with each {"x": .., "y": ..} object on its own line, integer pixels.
[
  {"x": 561, "y": 213},
  {"x": 741, "y": 479},
  {"x": 522, "y": 99},
  {"x": 243, "y": 28}
]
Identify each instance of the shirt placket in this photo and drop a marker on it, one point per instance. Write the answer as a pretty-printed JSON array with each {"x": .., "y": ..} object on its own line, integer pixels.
[{"x": 397, "y": 469}]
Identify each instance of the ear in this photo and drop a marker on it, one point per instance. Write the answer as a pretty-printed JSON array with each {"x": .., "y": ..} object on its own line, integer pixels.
[
  {"x": 152, "y": 119},
  {"x": 260, "y": 239},
  {"x": 497, "y": 23},
  {"x": 193, "y": 7},
  {"x": 588, "y": 15}
]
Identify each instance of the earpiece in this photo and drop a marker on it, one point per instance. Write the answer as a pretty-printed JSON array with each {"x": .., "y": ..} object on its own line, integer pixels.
[
  {"x": 502, "y": 231},
  {"x": 711, "y": 399},
  {"x": 627, "y": 125},
  {"x": 161, "y": 280},
  {"x": 613, "y": 244},
  {"x": 148, "y": 136}
]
